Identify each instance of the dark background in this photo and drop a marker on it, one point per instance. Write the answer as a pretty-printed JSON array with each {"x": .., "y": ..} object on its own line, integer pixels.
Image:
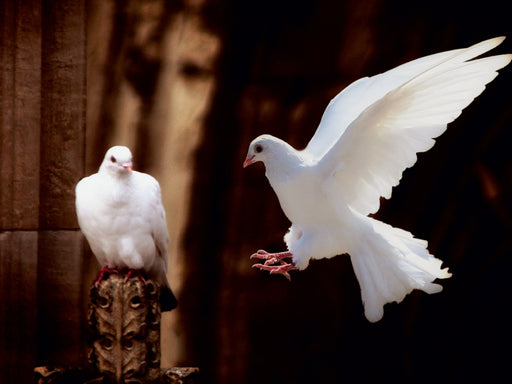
[{"x": 277, "y": 66}]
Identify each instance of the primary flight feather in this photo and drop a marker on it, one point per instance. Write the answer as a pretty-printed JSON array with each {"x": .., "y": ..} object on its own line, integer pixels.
[
  {"x": 368, "y": 135},
  {"x": 120, "y": 212}
]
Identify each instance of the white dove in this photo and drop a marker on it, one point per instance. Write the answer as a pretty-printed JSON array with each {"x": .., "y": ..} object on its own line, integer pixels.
[
  {"x": 369, "y": 134},
  {"x": 120, "y": 212}
]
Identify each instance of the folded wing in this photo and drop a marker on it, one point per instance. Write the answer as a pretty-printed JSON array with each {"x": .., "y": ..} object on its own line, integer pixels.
[{"x": 155, "y": 215}]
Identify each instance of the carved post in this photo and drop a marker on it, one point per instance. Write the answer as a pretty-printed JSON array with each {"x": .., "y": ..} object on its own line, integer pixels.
[
  {"x": 124, "y": 338},
  {"x": 124, "y": 320}
]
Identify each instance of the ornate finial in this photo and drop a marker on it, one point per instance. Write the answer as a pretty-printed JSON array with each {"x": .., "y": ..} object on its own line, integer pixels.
[
  {"x": 124, "y": 321},
  {"x": 124, "y": 338}
]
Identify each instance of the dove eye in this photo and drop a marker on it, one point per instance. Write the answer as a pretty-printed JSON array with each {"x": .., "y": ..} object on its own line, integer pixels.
[
  {"x": 113, "y": 159},
  {"x": 258, "y": 149}
]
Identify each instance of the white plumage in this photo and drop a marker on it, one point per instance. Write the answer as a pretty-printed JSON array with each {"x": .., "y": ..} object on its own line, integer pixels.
[
  {"x": 120, "y": 212},
  {"x": 369, "y": 134}
]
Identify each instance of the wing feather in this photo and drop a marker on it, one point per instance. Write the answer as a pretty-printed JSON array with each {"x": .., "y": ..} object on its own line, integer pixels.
[
  {"x": 369, "y": 156},
  {"x": 354, "y": 99}
]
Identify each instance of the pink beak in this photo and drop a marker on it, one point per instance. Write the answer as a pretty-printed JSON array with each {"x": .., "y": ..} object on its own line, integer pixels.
[
  {"x": 127, "y": 166},
  {"x": 248, "y": 161}
]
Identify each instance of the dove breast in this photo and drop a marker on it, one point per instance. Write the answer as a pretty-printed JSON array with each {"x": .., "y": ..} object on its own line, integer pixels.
[{"x": 115, "y": 217}]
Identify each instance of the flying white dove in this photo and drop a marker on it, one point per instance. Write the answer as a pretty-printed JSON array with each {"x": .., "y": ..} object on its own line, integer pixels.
[
  {"x": 369, "y": 134},
  {"x": 120, "y": 212}
]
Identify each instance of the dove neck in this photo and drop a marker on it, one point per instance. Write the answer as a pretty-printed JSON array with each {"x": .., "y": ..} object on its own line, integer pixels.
[{"x": 281, "y": 166}]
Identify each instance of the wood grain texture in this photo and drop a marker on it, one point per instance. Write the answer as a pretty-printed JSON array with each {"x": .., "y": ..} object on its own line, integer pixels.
[
  {"x": 20, "y": 111},
  {"x": 42, "y": 104},
  {"x": 62, "y": 110},
  {"x": 61, "y": 319},
  {"x": 18, "y": 309}
]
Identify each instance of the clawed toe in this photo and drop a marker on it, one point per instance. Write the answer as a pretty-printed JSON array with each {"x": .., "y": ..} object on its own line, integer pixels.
[
  {"x": 104, "y": 272},
  {"x": 282, "y": 268},
  {"x": 139, "y": 273},
  {"x": 261, "y": 254},
  {"x": 264, "y": 255}
]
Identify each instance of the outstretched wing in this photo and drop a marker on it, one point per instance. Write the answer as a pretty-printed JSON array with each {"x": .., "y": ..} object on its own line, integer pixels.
[
  {"x": 345, "y": 107},
  {"x": 406, "y": 109}
]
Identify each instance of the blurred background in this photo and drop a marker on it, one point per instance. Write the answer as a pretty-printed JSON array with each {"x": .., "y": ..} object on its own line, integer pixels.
[{"x": 187, "y": 85}]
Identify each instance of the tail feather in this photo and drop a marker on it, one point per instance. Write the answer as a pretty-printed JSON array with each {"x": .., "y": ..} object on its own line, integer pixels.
[
  {"x": 167, "y": 299},
  {"x": 159, "y": 272},
  {"x": 389, "y": 263}
]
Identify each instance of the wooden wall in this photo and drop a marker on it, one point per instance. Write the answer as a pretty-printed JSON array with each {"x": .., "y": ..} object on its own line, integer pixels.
[{"x": 42, "y": 117}]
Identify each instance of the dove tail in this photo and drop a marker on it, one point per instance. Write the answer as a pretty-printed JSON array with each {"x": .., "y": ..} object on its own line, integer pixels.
[
  {"x": 389, "y": 263},
  {"x": 167, "y": 299}
]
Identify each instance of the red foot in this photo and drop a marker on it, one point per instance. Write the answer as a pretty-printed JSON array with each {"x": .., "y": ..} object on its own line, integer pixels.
[
  {"x": 138, "y": 272},
  {"x": 104, "y": 272},
  {"x": 272, "y": 258}
]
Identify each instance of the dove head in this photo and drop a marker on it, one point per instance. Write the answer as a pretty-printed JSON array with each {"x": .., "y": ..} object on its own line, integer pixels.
[
  {"x": 117, "y": 161},
  {"x": 271, "y": 151}
]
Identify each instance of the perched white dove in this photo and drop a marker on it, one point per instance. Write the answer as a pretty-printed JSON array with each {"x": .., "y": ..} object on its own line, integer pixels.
[
  {"x": 369, "y": 134},
  {"x": 120, "y": 212}
]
